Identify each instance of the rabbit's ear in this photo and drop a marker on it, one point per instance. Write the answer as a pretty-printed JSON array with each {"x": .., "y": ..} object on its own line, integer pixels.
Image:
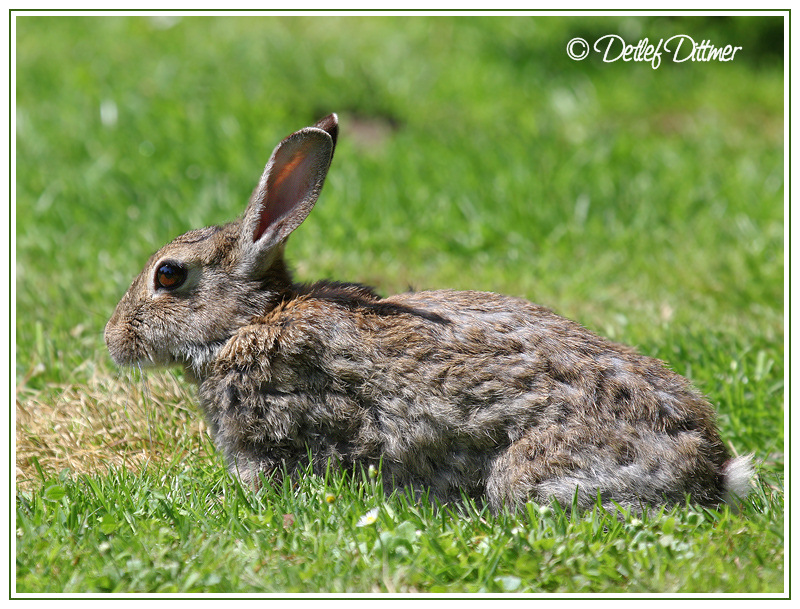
[
  {"x": 287, "y": 191},
  {"x": 329, "y": 124}
]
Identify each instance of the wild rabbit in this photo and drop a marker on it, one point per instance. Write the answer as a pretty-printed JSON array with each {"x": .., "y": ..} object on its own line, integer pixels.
[{"x": 455, "y": 392}]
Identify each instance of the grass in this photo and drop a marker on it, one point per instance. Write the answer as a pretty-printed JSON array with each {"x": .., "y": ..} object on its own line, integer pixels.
[
  {"x": 160, "y": 531},
  {"x": 647, "y": 204}
]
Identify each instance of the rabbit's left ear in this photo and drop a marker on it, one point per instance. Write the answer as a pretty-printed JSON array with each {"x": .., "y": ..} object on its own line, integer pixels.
[{"x": 287, "y": 191}]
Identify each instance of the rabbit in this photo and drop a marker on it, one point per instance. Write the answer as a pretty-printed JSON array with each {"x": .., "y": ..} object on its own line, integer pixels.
[{"x": 449, "y": 393}]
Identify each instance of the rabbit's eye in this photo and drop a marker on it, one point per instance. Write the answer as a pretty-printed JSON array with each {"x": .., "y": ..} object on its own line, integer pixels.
[{"x": 170, "y": 275}]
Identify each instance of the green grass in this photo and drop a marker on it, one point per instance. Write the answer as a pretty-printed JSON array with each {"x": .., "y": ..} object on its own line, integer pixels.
[
  {"x": 177, "y": 531},
  {"x": 473, "y": 153}
]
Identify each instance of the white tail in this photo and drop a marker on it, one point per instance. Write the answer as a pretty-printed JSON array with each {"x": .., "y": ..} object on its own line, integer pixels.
[{"x": 739, "y": 477}]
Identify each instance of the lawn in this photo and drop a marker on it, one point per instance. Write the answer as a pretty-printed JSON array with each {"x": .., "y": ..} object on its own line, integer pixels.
[{"x": 647, "y": 204}]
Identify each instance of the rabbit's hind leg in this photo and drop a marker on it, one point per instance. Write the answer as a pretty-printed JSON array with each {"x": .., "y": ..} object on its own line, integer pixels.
[
  {"x": 565, "y": 463},
  {"x": 541, "y": 466}
]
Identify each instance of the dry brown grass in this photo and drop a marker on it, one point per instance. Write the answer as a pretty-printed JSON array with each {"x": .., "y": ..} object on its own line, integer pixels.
[{"x": 110, "y": 421}]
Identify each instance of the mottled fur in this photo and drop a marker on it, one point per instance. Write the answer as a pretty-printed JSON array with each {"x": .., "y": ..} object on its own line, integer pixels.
[{"x": 450, "y": 391}]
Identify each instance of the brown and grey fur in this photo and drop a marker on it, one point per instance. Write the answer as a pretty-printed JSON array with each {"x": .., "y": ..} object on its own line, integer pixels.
[{"x": 450, "y": 391}]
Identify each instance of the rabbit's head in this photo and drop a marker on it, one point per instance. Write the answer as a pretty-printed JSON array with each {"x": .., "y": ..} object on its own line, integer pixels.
[{"x": 196, "y": 291}]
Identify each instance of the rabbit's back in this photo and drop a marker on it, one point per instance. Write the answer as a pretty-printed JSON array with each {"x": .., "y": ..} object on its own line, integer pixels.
[{"x": 459, "y": 391}]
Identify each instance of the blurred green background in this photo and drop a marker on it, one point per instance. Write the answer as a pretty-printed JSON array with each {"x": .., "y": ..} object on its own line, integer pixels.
[{"x": 473, "y": 153}]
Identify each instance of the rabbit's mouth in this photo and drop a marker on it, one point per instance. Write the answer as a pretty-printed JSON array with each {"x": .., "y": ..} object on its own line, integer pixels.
[
  {"x": 123, "y": 347},
  {"x": 128, "y": 349},
  {"x": 128, "y": 355}
]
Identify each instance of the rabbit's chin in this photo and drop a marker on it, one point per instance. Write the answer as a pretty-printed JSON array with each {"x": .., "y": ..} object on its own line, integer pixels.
[
  {"x": 193, "y": 358},
  {"x": 197, "y": 359},
  {"x": 145, "y": 362}
]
